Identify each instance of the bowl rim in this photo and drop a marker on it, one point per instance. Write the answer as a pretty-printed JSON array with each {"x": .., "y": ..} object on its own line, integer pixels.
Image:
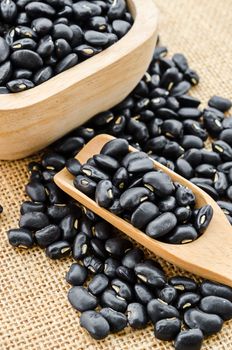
[{"x": 145, "y": 23}]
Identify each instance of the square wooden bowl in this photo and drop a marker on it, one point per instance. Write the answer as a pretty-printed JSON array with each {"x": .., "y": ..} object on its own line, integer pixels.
[{"x": 31, "y": 120}]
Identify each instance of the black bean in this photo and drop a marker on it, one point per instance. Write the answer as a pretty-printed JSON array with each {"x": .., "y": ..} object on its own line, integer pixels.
[
  {"x": 158, "y": 182},
  {"x": 208, "y": 323},
  {"x": 28, "y": 207},
  {"x": 185, "y": 196},
  {"x": 180, "y": 61},
  {"x": 22, "y": 74},
  {"x": 116, "y": 320},
  {"x": 19, "y": 85},
  {"x": 191, "y": 339},
  {"x": 5, "y": 72},
  {"x": 86, "y": 226},
  {"x": 116, "y": 148},
  {"x": 42, "y": 26},
  {"x": 37, "y": 9},
  {"x": 217, "y": 305},
  {"x": 21, "y": 238},
  {"x": 26, "y": 59},
  {"x": 221, "y": 103},
  {"x": 86, "y": 51},
  {"x": 167, "y": 329},
  {"x": 133, "y": 197},
  {"x": 4, "y": 50},
  {"x": 126, "y": 274},
  {"x": 181, "y": 88},
  {"x": 142, "y": 293},
  {"x": 80, "y": 245},
  {"x": 33, "y": 221},
  {"x": 187, "y": 300},
  {"x": 208, "y": 288},
  {"x": 117, "y": 246},
  {"x": 66, "y": 63},
  {"x": 110, "y": 267},
  {"x": 137, "y": 315},
  {"x": 102, "y": 230},
  {"x": 117, "y": 9},
  {"x": 136, "y": 165},
  {"x": 25, "y": 43},
  {"x": 182, "y": 234},
  {"x": 203, "y": 218},
  {"x": 192, "y": 76},
  {"x": 109, "y": 298},
  {"x": 104, "y": 195},
  {"x": 188, "y": 101},
  {"x": 58, "y": 250},
  {"x": 95, "y": 324},
  {"x": 143, "y": 214},
  {"x": 85, "y": 185},
  {"x": 107, "y": 163},
  {"x": 168, "y": 294},
  {"x": 98, "y": 284},
  {"x": 132, "y": 258},
  {"x": 162, "y": 225},
  {"x": 150, "y": 275},
  {"x": 76, "y": 275},
  {"x": 183, "y": 284},
  {"x": 98, "y": 248},
  {"x": 158, "y": 310},
  {"x": 46, "y": 47},
  {"x": 47, "y": 235},
  {"x": 94, "y": 264},
  {"x": 223, "y": 149},
  {"x": 225, "y": 206},
  {"x": 226, "y": 135}
]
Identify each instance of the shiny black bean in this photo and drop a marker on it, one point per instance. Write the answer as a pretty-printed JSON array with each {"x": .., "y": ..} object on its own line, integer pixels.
[
  {"x": 203, "y": 218},
  {"x": 168, "y": 294},
  {"x": 117, "y": 320},
  {"x": 220, "y": 183},
  {"x": 93, "y": 263},
  {"x": 133, "y": 197},
  {"x": 184, "y": 168},
  {"x": 150, "y": 275},
  {"x": 25, "y": 43},
  {"x": 86, "y": 226},
  {"x": 192, "y": 127},
  {"x": 226, "y": 135},
  {"x": 81, "y": 299},
  {"x": 98, "y": 284},
  {"x": 96, "y": 38},
  {"x": 76, "y": 275},
  {"x": 182, "y": 234},
  {"x": 117, "y": 247},
  {"x": 208, "y": 288},
  {"x": 193, "y": 156},
  {"x": 167, "y": 329},
  {"x": 46, "y": 47},
  {"x": 85, "y": 185},
  {"x": 28, "y": 207},
  {"x": 102, "y": 230},
  {"x": 66, "y": 63},
  {"x": 109, "y": 298},
  {"x": 158, "y": 310},
  {"x": 80, "y": 245},
  {"x": 158, "y": 182},
  {"x": 58, "y": 250},
  {"x": 182, "y": 214},
  {"x": 33, "y": 220},
  {"x": 116, "y": 148},
  {"x": 57, "y": 211},
  {"x": 95, "y": 324},
  {"x": 37, "y": 9},
  {"x": 185, "y": 196},
  {"x": 126, "y": 274},
  {"x": 208, "y": 323},
  {"x": 212, "y": 123},
  {"x": 36, "y": 191},
  {"x": 217, "y": 305},
  {"x": 221, "y": 103},
  {"x": 136, "y": 165},
  {"x": 63, "y": 31},
  {"x": 68, "y": 227},
  {"x": 132, "y": 258},
  {"x": 190, "y": 339},
  {"x": 209, "y": 189},
  {"x": 180, "y": 61},
  {"x": 122, "y": 289},
  {"x": 117, "y": 9},
  {"x": 104, "y": 195},
  {"x": 142, "y": 293},
  {"x": 86, "y": 51},
  {"x": 191, "y": 141},
  {"x": 172, "y": 128},
  {"x": 19, "y": 85},
  {"x": 137, "y": 315},
  {"x": 162, "y": 225},
  {"x": 42, "y": 26},
  {"x": 188, "y": 101},
  {"x": 192, "y": 76},
  {"x": 181, "y": 88},
  {"x": 21, "y": 238},
  {"x": 47, "y": 235},
  {"x": 183, "y": 284},
  {"x": 187, "y": 300},
  {"x": 227, "y": 123},
  {"x": 107, "y": 163},
  {"x": 143, "y": 214},
  {"x": 173, "y": 150},
  {"x": 42, "y": 75},
  {"x": 110, "y": 267},
  {"x": 26, "y": 59},
  {"x": 224, "y": 149},
  {"x": 167, "y": 204},
  {"x": 98, "y": 248}
]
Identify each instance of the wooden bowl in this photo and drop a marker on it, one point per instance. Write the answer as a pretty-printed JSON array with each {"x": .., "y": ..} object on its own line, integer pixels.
[{"x": 33, "y": 119}]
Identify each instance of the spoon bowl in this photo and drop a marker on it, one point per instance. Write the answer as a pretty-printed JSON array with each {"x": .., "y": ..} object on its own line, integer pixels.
[{"x": 210, "y": 256}]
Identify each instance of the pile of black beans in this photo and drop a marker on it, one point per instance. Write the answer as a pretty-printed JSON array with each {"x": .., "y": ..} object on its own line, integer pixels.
[
  {"x": 39, "y": 39},
  {"x": 127, "y": 184},
  {"x": 113, "y": 283}
]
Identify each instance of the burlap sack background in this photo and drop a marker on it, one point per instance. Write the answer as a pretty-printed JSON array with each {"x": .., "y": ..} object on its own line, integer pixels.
[{"x": 35, "y": 313}]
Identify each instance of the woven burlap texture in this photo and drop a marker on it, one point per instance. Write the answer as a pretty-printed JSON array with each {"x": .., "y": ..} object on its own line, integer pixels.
[{"x": 35, "y": 313}]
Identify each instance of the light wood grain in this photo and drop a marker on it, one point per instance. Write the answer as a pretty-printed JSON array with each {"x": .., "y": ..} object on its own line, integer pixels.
[
  {"x": 32, "y": 119},
  {"x": 210, "y": 256}
]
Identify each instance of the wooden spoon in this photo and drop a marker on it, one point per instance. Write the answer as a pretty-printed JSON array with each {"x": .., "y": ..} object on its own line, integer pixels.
[{"x": 210, "y": 256}]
